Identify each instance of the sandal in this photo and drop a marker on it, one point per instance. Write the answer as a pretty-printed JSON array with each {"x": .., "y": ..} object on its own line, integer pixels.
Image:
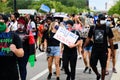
[
  {"x": 106, "y": 73},
  {"x": 114, "y": 70}
]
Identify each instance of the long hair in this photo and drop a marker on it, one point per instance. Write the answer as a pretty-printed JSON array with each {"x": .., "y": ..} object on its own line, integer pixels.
[{"x": 51, "y": 26}]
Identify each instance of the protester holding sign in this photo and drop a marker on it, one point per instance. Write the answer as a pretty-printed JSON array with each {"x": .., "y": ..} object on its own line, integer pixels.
[
  {"x": 70, "y": 54},
  {"x": 10, "y": 49}
]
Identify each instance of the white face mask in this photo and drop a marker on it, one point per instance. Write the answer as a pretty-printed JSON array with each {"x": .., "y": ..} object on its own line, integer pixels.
[
  {"x": 108, "y": 23},
  {"x": 21, "y": 26},
  {"x": 102, "y": 22}
]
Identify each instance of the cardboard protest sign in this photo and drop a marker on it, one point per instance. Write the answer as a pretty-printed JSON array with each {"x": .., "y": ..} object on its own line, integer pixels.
[
  {"x": 65, "y": 36},
  {"x": 116, "y": 32}
]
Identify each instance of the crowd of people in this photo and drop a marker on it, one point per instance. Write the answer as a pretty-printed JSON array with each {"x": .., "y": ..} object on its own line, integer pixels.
[{"x": 94, "y": 33}]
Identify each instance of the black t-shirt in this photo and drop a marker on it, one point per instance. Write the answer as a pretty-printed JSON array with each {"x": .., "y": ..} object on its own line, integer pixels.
[
  {"x": 50, "y": 40},
  {"x": 25, "y": 40},
  {"x": 100, "y": 35},
  {"x": 8, "y": 66},
  {"x": 89, "y": 44},
  {"x": 68, "y": 50}
]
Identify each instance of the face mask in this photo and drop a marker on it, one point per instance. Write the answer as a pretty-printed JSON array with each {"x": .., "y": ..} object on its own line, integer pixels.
[
  {"x": 2, "y": 27},
  {"x": 56, "y": 27},
  {"x": 66, "y": 27},
  {"x": 12, "y": 20},
  {"x": 118, "y": 24},
  {"x": 102, "y": 21},
  {"x": 20, "y": 27},
  {"x": 108, "y": 23}
]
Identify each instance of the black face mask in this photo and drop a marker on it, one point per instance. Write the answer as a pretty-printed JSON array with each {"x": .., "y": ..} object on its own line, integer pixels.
[
  {"x": 56, "y": 27},
  {"x": 12, "y": 20},
  {"x": 118, "y": 24}
]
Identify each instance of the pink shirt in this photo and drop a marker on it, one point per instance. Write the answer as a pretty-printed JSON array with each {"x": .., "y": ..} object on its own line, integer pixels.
[{"x": 78, "y": 27}]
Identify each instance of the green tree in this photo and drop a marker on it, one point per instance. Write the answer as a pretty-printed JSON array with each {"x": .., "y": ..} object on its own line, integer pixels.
[
  {"x": 69, "y": 6},
  {"x": 115, "y": 8},
  {"x": 76, "y": 3},
  {"x": 7, "y": 7},
  {"x": 58, "y": 6},
  {"x": 4, "y": 7},
  {"x": 20, "y": 4}
]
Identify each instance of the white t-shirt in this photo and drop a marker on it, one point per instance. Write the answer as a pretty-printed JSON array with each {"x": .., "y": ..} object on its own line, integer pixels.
[
  {"x": 13, "y": 26},
  {"x": 32, "y": 25}
]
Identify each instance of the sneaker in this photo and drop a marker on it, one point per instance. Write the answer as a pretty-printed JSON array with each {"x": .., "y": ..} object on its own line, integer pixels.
[
  {"x": 62, "y": 69},
  {"x": 79, "y": 56},
  {"x": 36, "y": 47},
  {"x": 98, "y": 77},
  {"x": 49, "y": 76},
  {"x": 54, "y": 72},
  {"x": 57, "y": 78},
  {"x": 68, "y": 78},
  {"x": 39, "y": 49},
  {"x": 114, "y": 70},
  {"x": 89, "y": 71},
  {"x": 35, "y": 59},
  {"x": 107, "y": 73},
  {"x": 85, "y": 69}
]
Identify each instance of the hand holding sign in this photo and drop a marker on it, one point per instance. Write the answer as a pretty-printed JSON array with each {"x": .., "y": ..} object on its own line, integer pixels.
[
  {"x": 72, "y": 46},
  {"x": 65, "y": 36}
]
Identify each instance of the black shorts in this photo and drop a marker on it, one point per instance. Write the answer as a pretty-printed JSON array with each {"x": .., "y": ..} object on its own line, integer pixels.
[
  {"x": 42, "y": 40},
  {"x": 115, "y": 46},
  {"x": 102, "y": 57},
  {"x": 35, "y": 37}
]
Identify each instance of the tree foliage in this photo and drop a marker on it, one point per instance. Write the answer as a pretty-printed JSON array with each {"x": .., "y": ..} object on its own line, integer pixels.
[
  {"x": 7, "y": 7},
  {"x": 20, "y": 4},
  {"x": 76, "y": 3},
  {"x": 57, "y": 5},
  {"x": 4, "y": 7},
  {"x": 69, "y": 6},
  {"x": 115, "y": 9}
]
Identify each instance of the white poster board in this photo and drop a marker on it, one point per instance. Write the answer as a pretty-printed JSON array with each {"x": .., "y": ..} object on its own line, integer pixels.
[{"x": 65, "y": 36}]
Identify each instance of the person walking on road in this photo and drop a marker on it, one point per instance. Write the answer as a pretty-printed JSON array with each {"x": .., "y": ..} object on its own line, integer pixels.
[
  {"x": 100, "y": 32},
  {"x": 23, "y": 34},
  {"x": 111, "y": 23},
  {"x": 52, "y": 47},
  {"x": 70, "y": 54}
]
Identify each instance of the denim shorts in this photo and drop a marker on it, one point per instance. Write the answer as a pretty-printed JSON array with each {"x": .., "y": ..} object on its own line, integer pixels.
[
  {"x": 55, "y": 51},
  {"x": 88, "y": 48}
]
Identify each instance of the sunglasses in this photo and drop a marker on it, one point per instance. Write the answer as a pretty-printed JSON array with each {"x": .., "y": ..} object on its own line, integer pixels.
[
  {"x": 108, "y": 20},
  {"x": 87, "y": 27}
]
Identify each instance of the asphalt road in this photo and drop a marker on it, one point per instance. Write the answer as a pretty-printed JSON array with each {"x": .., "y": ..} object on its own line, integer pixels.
[{"x": 40, "y": 71}]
